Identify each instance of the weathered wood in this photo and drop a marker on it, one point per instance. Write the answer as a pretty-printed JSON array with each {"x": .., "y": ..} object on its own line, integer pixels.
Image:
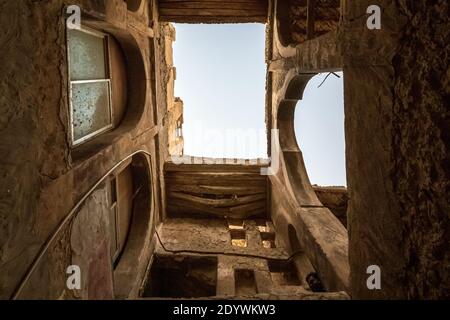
[
  {"x": 220, "y": 1},
  {"x": 182, "y": 207},
  {"x": 214, "y": 181},
  {"x": 235, "y": 191},
  {"x": 226, "y": 176},
  {"x": 216, "y": 190},
  {"x": 211, "y": 5},
  {"x": 232, "y": 11},
  {"x": 219, "y": 12},
  {"x": 217, "y": 203},
  {"x": 205, "y": 165},
  {"x": 205, "y": 19}
]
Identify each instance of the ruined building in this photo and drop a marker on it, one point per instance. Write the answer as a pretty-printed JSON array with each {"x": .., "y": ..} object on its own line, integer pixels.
[{"x": 89, "y": 124}]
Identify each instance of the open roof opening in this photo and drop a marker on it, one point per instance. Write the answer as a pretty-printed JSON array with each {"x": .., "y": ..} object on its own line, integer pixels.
[{"x": 220, "y": 77}]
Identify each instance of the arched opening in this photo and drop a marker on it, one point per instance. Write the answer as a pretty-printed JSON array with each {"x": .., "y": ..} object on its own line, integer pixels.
[
  {"x": 111, "y": 234},
  {"x": 319, "y": 130},
  {"x": 138, "y": 221},
  {"x": 311, "y": 218},
  {"x": 297, "y": 178}
]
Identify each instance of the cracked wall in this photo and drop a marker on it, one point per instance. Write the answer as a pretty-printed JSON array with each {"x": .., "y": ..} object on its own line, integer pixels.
[
  {"x": 397, "y": 148},
  {"x": 397, "y": 127},
  {"x": 42, "y": 177}
]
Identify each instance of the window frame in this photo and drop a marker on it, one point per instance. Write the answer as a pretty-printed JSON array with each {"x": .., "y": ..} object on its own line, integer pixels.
[{"x": 107, "y": 79}]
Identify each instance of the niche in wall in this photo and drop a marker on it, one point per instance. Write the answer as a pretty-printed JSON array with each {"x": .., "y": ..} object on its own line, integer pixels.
[
  {"x": 319, "y": 130},
  {"x": 133, "y": 218}
]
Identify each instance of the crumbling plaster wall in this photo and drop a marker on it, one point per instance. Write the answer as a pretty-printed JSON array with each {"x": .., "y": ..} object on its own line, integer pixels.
[
  {"x": 396, "y": 87},
  {"x": 421, "y": 117},
  {"x": 294, "y": 202},
  {"x": 175, "y": 144},
  {"x": 176, "y": 141},
  {"x": 42, "y": 178},
  {"x": 397, "y": 125},
  {"x": 164, "y": 76}
]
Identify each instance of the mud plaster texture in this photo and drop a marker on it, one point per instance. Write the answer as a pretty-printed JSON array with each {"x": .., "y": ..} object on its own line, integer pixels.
[
  {"x": 397, "y": 135},
  {"x": 42, "y": 177},
  {"x": 397, "y": 121},
  {"x": 421, "y": 117},
  {"x": 213, "y": 236}
]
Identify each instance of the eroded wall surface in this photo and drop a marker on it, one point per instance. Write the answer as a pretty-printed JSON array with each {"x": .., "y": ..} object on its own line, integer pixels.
[
  {"x": 397, "y": 124},
  {"x": 296, "y": 211},
  {"x": 42, "y": 177},
  {"x": 422, "y": 144},
  {"x": 397, "y": 120},
  {"x": 396, "y": 87}
]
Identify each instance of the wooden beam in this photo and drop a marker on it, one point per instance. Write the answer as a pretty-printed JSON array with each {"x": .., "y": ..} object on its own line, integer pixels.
[
  {"x": 212, "y": 19},
  {"x": 210, "y": 11},
  {"x": 216, "y": 5},
  {"x": 188, "y": 208},
  {"x": 238, "y": 191},
  {"x": 216, "y": 190},
  {"x": 202, "y": 166},
  {"x": 218, "y": 203}
]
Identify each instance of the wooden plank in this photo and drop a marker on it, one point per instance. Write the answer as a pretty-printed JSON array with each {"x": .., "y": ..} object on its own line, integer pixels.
[
  {"x": 257, "y": 209},
  {"x": 211, "y": 11},
  {"x": 203, "y": 19},
  {"x": 214, "y": 179},
  {"x": 212, "y": 5},
  {"x": 238, "y": 191},
  {"x": 216, "y": 183},
  {"x": 251, "y": 168},
  {"x": 219, "y": 12},
  {"x": 216, "y": 175},
  {"x": 217, "y": 203},
  {"x": 262, "y": 2},
  {"x": 216, "y": 190}
]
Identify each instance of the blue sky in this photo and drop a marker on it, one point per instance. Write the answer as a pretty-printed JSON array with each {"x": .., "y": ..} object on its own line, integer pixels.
[
  {"x": 221, "y": 75},
  {"x": 319, "y": 128}
]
